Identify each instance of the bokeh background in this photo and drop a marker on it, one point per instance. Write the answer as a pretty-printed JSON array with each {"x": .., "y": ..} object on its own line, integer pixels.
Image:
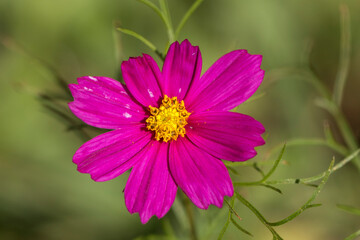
[{"x": 42, "y": 196}]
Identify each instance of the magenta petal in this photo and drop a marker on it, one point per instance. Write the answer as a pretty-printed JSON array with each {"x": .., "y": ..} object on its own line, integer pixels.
[
  {"x": 111, "y": 154},
  {"x": 182, "y": 66},
  {"x": 150, "y": 189},
  {"x": 226, "y": 135},
  {"x": 230, "y": 81},
  {"x": 142, "y": 76},
  {"x": 203, "y": 178},
  {"x": 104, "y": 103}
]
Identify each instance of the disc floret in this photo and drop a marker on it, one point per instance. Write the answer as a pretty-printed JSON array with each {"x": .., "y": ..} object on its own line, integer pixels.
[{"x": 169, "y": 120}]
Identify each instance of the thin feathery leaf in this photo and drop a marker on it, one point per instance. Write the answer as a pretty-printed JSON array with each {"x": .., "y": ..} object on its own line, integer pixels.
[
  {"x": 226, "y": 225},
  {"x": 240, "y": 228},
  {"x": 329, "y": 136},
  {"x": 119, "y": 52},
  {"x": 307, "y": 181},
  {"x": 345, "y": 50},
  {"x": 271, "y": 171},
  {"x": 276, "y": 164},
  {"x": 169, "y": 230},
  {"x": 223, "y": 230},
  {"x": 271, "y": 187},
  {"x": 353, "y": 236},
  {"x": 258, "y": 169},
  {"x": 231, "y": 207},
  {"x": 165, "y": 10},
  {"x": 180, "y": 213},
  {"x": 308, "y": 204},
  {"x": 233, "y": 170},
  {"x": 349, "y": 209},
  {"x": 61, "y": 116},
  {"x": 15, "y": 46},
  {"x": 155, "y": 8},
  {"x": 142, "y": 39},
  {"x": 258, "y": 215}
]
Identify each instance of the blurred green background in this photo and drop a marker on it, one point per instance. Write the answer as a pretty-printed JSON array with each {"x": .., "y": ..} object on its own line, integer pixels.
[{"x": 42, "y": 196}]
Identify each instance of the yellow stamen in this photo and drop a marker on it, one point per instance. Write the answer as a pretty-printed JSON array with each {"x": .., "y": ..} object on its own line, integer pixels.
[{"x": 169, "y": 120}]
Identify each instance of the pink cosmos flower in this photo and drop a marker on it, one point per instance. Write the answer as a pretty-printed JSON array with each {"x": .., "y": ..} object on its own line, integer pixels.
[{"x": 172, "y": 127}]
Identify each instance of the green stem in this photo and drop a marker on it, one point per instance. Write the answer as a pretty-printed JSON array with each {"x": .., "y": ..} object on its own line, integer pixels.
[
  {"x": 344, "y": 61},
  {"x": 186, "y": 16},
  {"x": 332, "y": 108},
  {"x": 308, "y": 204},
  {"x": 142, "y": 39},
  {"x": 231, "y": 207},
  {"x": 346, "y": 131},
  {"x": 353, "y": 236},
  {"x": 155, "y": 8},
  {"x": 190, "y": 214},
  {"x": 165, "y": 10},
  {"x": 343, "y": 125},
  {"x": 258, "y": 215},
  {"x": 313, "y": 79},
  {"x": 317, "y": 177},
  {"x": 271, "y": 171},
  {"x": 349, "y": 209}
]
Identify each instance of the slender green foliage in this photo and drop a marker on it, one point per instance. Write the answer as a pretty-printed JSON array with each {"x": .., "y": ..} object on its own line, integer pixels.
[
  {"x": 271, "y": 171},
  {"x": 223, "y": 230},
  {"x": 59, "y": 79},
  {"x": 239, "y": 227},
  {"x": 71, "y": 123},
  {"x": 187, "y": 15},
  {"x": 307, "y": 181},
  {"x": 344, "y": 61},
  {"x": 331, "y": 102},
  {"x": 155, "y": 8},
  {"x": 270, "y": 187},
  {"x": 165, "y": 10},
  {"x": 164, "y": 14},
  {"x": 308, "y": 204},
  {"x": 231, "y": 211},
  {"x": 231, "y": 219},
  {"x": 231, "y": 207},
  {"x": 140, "y": 38},
  {"x": 257, "y": 168},
  {"x": 258, "y": 215},
  {"x": 349, "y": 209},
  {"x": 354, "y": 235}
]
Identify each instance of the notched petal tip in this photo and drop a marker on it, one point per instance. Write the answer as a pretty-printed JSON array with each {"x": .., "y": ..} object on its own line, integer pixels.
[
  {"x": 142, "y": 76},
  {"x": 111, "y": 154},
  {"x": 144, "y": 219},
  {"x": 104, "y": 103},
  {"x": 230, "y": 194},
  {"x": 226, "y": 135},
  {"x": 150, "y": 189},
  {"x": 101, "y": 179},
  {"x": 182, "y": 66},
  {"x": 73, "y": 88}
]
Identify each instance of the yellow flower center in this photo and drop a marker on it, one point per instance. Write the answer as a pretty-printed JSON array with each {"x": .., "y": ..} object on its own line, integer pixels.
[{"x": 168, "y": 121}]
